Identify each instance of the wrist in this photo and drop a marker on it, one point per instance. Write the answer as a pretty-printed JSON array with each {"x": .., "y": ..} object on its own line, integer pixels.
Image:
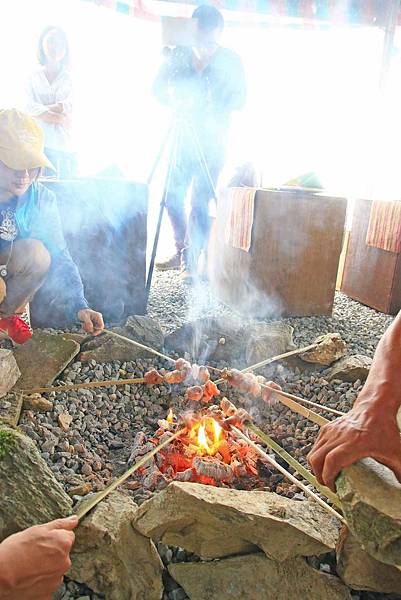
[{"x": 379, "y": 398}]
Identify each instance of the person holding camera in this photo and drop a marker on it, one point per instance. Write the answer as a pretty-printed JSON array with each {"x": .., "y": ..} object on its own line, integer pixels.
[{"x": 203, "y": 85}]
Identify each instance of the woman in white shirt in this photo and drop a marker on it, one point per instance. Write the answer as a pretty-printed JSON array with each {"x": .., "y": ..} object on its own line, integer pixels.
[{"x": 50, "y": 99}]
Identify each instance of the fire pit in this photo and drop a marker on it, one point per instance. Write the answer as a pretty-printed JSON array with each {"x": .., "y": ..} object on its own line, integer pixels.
[{"x": 205, "y": 453}]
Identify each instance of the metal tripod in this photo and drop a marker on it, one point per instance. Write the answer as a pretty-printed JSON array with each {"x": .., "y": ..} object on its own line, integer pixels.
[{"x": 172, "y": 144}]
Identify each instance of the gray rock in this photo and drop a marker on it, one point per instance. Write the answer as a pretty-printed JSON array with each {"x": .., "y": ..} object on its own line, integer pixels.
[
  {"x": 42, "y": 358},
  {"x": 331, "y": 347},
  {"x": 112, "y": 558},
  {"x": 362, "y": 572},
  {"x": 10, "y": 408},
  {"x": 371, "y": 500},
  {"x": 268, "y": 339},
  {"x": 256, "y": 577},
  {"x": 30, "y": 494},
  {"x": 9, "y": 371},
  {"x": 215, "y": 522},
  {"x": 351, "y": 368},
  {"x": 107, "y": 348}
]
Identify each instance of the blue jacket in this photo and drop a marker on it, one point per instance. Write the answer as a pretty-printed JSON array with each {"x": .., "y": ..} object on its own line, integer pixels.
[{"x": 37, "y": 217}]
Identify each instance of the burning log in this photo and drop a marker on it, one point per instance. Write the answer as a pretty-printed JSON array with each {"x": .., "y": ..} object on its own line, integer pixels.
[{"x": 213, "y": 468}]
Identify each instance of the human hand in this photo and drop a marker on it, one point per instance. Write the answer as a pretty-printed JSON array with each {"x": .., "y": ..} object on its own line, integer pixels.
[
  {"x": 92, "y": 321},
  {"x": 33, "y": 561},
  {"x": 361, "y": 433}
]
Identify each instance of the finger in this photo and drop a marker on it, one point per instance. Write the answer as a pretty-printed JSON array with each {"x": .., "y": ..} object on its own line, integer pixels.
[
  {"x": 336, "y": 460},
  {"x": 87, "y": 324},
  {"x": 98, "y": 321},
  {"x": 68, "y": 523}
]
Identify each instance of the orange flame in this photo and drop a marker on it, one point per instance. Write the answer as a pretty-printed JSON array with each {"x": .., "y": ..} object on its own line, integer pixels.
[
  {"x": 207, "y": 436},
  {"x": 170, "y": 416}
]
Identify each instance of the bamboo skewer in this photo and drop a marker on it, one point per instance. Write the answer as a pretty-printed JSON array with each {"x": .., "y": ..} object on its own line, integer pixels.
[
  {"x": 139, "y": 345},
  {"x": 270, "y": 360},
  {"x": 288, "y": 475},
  {"x": 293, "y": 405},
  {"x": 77, "y": 386},
  {"x": 308, "y": 402},
  {"x": 292, "y": 401},
  {"x": 92, "y": 501},
  {"x": 267, "y": 361},
  {"x": 294, "y": 464}
]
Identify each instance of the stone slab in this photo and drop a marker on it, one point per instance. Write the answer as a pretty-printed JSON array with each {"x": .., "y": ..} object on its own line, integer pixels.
[
  {"x": 371, "y": 500},
  {"x": 255, "y": 577},
  {"x": 216, "y": 522},
  {"x": 43, "y": 358},
  {"x": 112, "y": 558},
  {"x": 29, "y": 493},
  {"x": 9, "y": 371},
  {"x": 362, "y": 572},
  {"x": 10, "y": 408}
]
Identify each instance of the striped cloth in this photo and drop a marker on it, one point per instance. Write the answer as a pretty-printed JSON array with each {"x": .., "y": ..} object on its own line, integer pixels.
[
  {"x": 384, "y": 229},
  {"x": 240, "y": 219}
]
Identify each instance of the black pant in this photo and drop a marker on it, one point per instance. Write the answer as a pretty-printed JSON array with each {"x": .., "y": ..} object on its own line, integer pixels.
[{"x": 192, "y": 237}]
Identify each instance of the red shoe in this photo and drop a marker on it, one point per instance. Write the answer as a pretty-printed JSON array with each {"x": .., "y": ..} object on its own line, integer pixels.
[{"x": 16, "y": 329}]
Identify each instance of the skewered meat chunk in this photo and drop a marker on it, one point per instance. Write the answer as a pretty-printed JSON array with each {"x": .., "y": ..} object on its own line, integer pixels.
[
  {"x": 182, "y": 365},
  {"x": 203, "y": 375},
  {"x": 175, "y": 376},
  {"x": 194, "y": 393},
  {"x": 227, "y": 407},
  {"x": 153, "y": 377},
  {"x": 210, "y": 390}
]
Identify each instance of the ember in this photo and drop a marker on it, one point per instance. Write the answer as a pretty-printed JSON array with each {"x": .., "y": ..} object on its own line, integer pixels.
[{"x": 207, "y": 452}]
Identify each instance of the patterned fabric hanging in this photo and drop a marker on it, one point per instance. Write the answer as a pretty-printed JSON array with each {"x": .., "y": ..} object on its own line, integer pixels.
[{"x": 361, "y": 12}]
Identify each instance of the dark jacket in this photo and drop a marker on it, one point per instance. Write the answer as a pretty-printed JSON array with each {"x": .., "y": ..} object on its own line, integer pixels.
[{"x": 37, "y": 217}]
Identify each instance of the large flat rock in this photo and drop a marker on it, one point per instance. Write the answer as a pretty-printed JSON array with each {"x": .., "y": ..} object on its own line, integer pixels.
[
  {"x": 112, "y": 558},
  {"x": 362, "y": 572},
  {"x": 371, "y": 500},
  {"x": 29, "y": 493},
  {"x": 106, "y": 347},
  {"x": 256, "y": 577},
  {"x": 217, "y": 522},
  {"x": 9, "y": 371},
  {"x": 43, "y": 358}
]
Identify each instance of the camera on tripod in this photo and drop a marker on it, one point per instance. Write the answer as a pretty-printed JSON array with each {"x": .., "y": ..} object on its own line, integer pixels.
[{"x": 179, "y": 31}]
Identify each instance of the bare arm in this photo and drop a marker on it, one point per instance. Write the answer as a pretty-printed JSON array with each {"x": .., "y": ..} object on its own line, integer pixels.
[{"x": 370, "y": 428}]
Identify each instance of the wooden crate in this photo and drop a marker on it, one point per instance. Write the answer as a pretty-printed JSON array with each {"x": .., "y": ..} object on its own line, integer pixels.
[
  {"x": 371, "y": 275},
  {"x": 292, "y": 265}
]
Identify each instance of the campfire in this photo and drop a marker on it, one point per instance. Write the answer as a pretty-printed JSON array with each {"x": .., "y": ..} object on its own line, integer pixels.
[{"x": 206, "y": 452}]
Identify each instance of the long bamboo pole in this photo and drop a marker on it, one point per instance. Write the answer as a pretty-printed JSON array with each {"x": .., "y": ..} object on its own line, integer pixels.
[
  {"x": 297, "y": 466},
  {"x": 288, "y": 475},
  {"x": 78, "y": 386},
  {"x": 139, "y": 345},
  {"x": 92, "y": 501}
]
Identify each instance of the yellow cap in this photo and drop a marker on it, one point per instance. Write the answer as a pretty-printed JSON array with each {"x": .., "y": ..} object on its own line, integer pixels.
[{"x": 21, "y": 142}]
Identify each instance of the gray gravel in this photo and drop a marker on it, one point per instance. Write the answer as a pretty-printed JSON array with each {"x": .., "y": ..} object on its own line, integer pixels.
[{"x": 97, "y": 444}]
